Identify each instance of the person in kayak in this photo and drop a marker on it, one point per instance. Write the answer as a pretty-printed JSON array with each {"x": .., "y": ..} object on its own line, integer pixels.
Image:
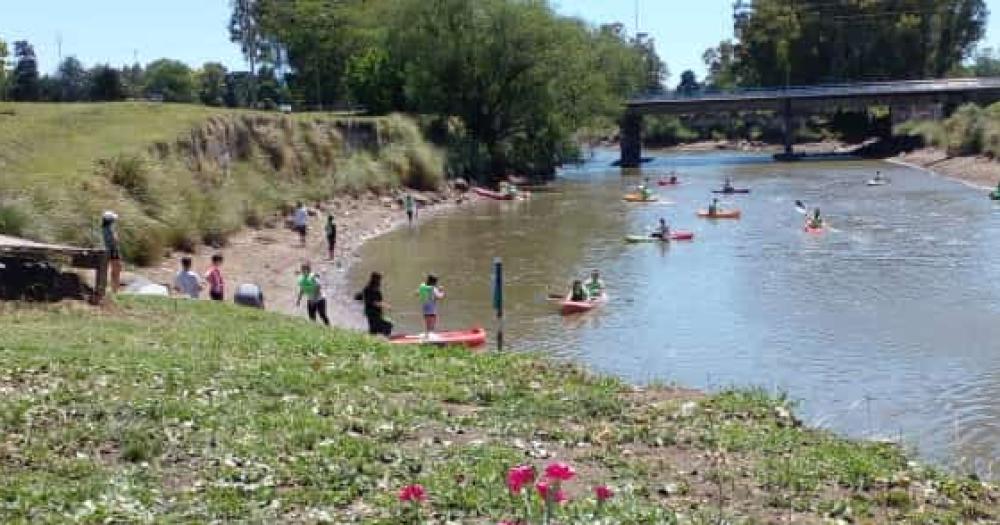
[
  {"x": 430, "y": 293},
  {"x": 312, "y": 290},
  {"x": 878, "y": 176},
  {"x": 578, "y": 293},
  {"x": 595, "y": 286},
  {"x": 673, "y": 179},
  {"x": 375, "y": 306},
  {"x": 331, "y": 236},
  {"x": 816, "y": 221},
  {"x": 728, "y": 185},
  {"x": 662, "y": 231},
  {"x": 713, "y": 209}
]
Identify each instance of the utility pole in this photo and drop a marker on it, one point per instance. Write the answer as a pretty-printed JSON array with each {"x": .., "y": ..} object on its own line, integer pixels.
[
  {"x": 59, "y": 46},
  {"x": 637, "y": 18}
]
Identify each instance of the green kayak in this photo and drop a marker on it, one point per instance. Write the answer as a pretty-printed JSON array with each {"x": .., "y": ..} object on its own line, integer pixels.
[{"x": 995, "y": 195}]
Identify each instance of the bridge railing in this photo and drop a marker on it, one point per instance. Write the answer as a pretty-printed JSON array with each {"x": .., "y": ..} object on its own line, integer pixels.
[{"x": 818, "y": 90}]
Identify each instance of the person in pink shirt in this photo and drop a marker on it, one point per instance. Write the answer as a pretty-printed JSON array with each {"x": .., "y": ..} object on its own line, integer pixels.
[{"x": 216, "y": 284}]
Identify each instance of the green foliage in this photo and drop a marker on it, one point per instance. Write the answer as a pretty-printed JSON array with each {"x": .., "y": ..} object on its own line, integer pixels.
[
  {"x": 71, "y": 80},
  {"x": 4, "y": 53},
  {"x": 212, "y": 84},
  {"x": 25, "y": 82},
  {"x": 13, "y": 218},
  {"x": 667, "y": 131},
  {"x": 971, "y": 130},
  {"x": 171, "y": 79},
  {"x": 106, "y": 84},
  {"x": 813, "y": 42}
]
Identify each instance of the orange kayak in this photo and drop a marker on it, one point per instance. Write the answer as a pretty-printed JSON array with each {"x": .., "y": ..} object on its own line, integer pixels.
[
  {"x": 493, "y": 194},
  {"x": 815, "y": 231},
  {"x": 721, "y": 214},
  {"x": 579, "y": 307},
  {"x": 635, "y": 197},
  {"x": 473, "y": 338}
]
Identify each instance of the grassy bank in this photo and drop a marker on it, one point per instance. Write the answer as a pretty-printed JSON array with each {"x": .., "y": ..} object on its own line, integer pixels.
[
  {"x": 180, "y": 175},
  {"x": 184, "y": 411}
]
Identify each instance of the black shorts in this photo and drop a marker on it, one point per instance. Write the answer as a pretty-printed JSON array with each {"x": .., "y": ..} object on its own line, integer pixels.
[
  {"x": 300, "y": 229},
  {"x": 216, "y": 296}
]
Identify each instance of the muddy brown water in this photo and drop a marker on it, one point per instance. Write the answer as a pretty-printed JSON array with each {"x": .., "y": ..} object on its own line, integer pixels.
[{"x": 887, "y": 326}]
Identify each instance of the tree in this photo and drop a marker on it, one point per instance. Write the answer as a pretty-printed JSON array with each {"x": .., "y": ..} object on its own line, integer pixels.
[
  {"x": 170, "y": 79},
  {"x": 986, "y": 63},
  {"x": 688, "y": 85},
  {"x": 133, "y": 80},
  {"x": 656, "y": 69},
  {"x": 71, "y": 78},
  {"x": 4, "y": 53},
  {"x": 721, "y": 61},
  {"x": 25, "y": 84},
  {"x": 212, "y": 84},
  {"x": 106, "y": 84},
  {"x": 244, "y": 29}
]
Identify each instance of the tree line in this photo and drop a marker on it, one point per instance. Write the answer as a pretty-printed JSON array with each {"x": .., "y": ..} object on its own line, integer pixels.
[{"x": 164, "y": 79}]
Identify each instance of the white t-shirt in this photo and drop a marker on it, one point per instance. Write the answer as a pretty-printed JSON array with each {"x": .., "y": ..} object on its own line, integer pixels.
[
  {"x": 188, "y": 283},
  {"x": 300, "y": 217}
]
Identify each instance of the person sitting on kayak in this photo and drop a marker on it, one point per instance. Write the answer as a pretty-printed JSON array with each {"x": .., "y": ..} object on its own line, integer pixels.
[
  {"x": 728, "y": 185},
  {"x": 645, "y": 191},
  {"x": 878, "y": 176},
  {"x": 595, "y": 286},
  {"x": 713, "y": 209},
  {"x": 430, "y": 294},
  {"x": 578, "y": 293},
  {"x": 816, "y": 222},
  {"x": 673, "y": 179},
  {"x": 663, "y": 231}
]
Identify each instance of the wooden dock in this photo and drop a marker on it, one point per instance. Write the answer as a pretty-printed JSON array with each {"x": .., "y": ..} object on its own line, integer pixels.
[{"x": 94, "y": 258}]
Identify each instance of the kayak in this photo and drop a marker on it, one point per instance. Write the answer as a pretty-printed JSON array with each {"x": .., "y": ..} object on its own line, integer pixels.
[
  {"x": 874, "y": 182},
  {"x": 674, "y": 236},
  {"x": 579, "y": 307},
  {"x": 635, "y": 197},
  {"x": 995, "y": 195},
  {"x": 732, "y": 191},
  {"x": 493, "y": 194},
  {"x": 667, "y": 182},
  {"x": 815, "y": 231},
  {"x": 473, "y": 338},
  {"x": 721, "y": 214}
]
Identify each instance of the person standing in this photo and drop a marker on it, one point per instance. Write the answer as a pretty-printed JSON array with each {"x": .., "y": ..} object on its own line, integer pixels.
[
  {"x": 411, "y": 208},
  {"x": 375, "y": 306},
  {"x": 331, "y": 236},
  {"x": 300, "y": 222},
  {"x": 216, "y": 283},
  {"x": 312, "y": 290},
  {"x": 430, "y": 294},
  {"x": 112, "y": 247},
  {"x": 187, "y": 282}
]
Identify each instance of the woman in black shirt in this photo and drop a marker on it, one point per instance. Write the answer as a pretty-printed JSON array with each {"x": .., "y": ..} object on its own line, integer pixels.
[{"x": 375, "y": 306}]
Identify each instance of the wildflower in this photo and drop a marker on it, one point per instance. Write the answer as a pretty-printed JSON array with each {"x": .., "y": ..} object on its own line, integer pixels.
[
  {"x": 545, "y": 490},
  {"x": 559, "y": 472},
  {"x": 413, "y": 493},
  {"x": 603, "y": 493},
  {"x": 518, "y": 477}
]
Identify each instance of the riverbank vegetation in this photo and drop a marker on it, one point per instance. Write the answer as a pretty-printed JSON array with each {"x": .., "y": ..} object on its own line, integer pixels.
[
  {"x": 185, "y": 410},
  {"x": 180, "y": 175},
  {"x": 971, "y": 130}
]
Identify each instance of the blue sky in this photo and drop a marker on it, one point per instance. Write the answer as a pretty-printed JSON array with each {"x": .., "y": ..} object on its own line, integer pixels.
[{"x": 114, "y": 31}]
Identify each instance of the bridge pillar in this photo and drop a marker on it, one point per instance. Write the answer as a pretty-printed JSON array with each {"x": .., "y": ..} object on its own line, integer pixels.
[
  {"x": 789, "y": 125},
  {"x": 630, "y": 138}
]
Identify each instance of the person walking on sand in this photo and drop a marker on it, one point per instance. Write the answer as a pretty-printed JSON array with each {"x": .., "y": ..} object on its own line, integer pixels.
[
  {"x": 300, "y": 222},
  {"x": 187, "y": 282},
  {"x": 112, "y": 246},
  {"x": 430, "y": 293},
  {"x": 331, "y": 236},
  {"x": 410, "y": 205},
  {"x": 216, "y": 283},
  {"x": 375, "y": 306},
  {"x": 312, "y": 290}
]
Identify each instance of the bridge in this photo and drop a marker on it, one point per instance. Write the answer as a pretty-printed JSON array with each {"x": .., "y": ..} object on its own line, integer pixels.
[{"x": 898, "y": 96}]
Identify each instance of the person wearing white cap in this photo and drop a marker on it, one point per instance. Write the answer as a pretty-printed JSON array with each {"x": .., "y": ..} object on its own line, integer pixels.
[{"x": 111, "y": 246}]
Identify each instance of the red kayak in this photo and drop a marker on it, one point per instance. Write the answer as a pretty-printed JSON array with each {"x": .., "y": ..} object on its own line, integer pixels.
[
  {"x": 493, "y": 194},
  {"x": 814, "y": 231},
  {"x": 667, "y": 182},
  {"x": 579, "y": 307},
  {"x": 468, "y": 338}
]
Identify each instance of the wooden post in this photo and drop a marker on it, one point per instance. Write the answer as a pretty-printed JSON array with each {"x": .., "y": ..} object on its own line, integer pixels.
[{"x": 101, "y": 280}]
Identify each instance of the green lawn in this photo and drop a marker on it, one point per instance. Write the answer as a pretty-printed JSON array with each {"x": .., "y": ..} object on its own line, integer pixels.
[{"x": 179, "y": 412}]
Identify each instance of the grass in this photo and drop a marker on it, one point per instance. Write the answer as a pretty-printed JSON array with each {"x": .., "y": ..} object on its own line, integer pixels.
[
  {"x": 166, "y": 411},
  {"x": 179, "y": 175}
]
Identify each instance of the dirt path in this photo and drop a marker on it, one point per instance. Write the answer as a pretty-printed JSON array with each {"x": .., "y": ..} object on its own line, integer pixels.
[{"x": 270, "y": 256}]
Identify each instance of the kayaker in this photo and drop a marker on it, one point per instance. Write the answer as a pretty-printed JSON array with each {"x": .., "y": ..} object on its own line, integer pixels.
[
  {"x": 673, "y": 179},
  {"x": 312, "y": 290},
  {"x": 578, "y": 293},
  {"x": 713, "y": 209},
  {"x": 663, "y": 231},
  {"x": 375, "y": 306},
  {"x": 331, "y": 236},
  {"x": 728, "y": 185},
  {"x": 878, "y": 176},
  {"x": 430, "y": 293},
  {"x": 595, "y": 286},
  {"x": 816, "y": 222},
  {"x": 112, "y": 247}
]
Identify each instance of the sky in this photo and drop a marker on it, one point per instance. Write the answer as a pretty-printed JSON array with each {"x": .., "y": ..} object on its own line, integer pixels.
[{"x": 195, "y": 31}]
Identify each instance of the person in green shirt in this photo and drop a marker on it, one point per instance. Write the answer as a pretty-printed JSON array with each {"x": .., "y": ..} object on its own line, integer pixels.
[
  {"x": 578, "y": 293},
  {"x": 430, "y": 293},
  {"x": 595, "y": 286},
  {"x": 312, "y": 290}
]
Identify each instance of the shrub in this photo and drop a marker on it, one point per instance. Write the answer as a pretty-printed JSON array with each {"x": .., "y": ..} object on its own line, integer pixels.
[
  {"x": 129, "y": 173},
  {"x": 13, "y": 218}
]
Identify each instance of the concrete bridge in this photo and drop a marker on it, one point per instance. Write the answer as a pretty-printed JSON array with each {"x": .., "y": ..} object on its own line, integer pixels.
[{"x": 900, "y": 97}]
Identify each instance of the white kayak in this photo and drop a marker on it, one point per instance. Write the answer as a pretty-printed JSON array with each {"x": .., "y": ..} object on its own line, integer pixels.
[{"x": 878, "y": 182}]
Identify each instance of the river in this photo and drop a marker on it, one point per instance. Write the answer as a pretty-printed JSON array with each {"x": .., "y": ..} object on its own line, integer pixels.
[{"x": 887, "y": 326}]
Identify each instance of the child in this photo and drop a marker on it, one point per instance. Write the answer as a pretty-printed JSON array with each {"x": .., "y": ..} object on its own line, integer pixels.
[
  {"x": 300, "y": 221},
  {"x": 430, "y": 293},
  {"x": 187, "y": 282},
  {"x": 310, "y": 287},
  {"x": 578, "y": 293},
  {"x": 216, "y": 284},
  {"x": 112, "y": 247}
]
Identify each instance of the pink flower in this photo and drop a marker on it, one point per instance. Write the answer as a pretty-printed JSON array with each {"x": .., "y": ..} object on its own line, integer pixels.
[
  {"x": 560, "y": 472},
  {"x": 413, "y": 493},
  {"x": 519, "y": 476},
  {"x": 603, "y": 493},
  {"x": 545, "y": 491}
]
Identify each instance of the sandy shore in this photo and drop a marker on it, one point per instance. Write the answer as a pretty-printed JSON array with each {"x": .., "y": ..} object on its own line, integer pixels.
[
  {"x": 753, "y": 147},
  {"x": 981, "y": 172},
  {"x": 270, "y": 256}
]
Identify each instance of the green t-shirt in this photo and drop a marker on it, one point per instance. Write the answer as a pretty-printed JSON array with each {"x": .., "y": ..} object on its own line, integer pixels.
[{"x": 309, "y": 284}]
